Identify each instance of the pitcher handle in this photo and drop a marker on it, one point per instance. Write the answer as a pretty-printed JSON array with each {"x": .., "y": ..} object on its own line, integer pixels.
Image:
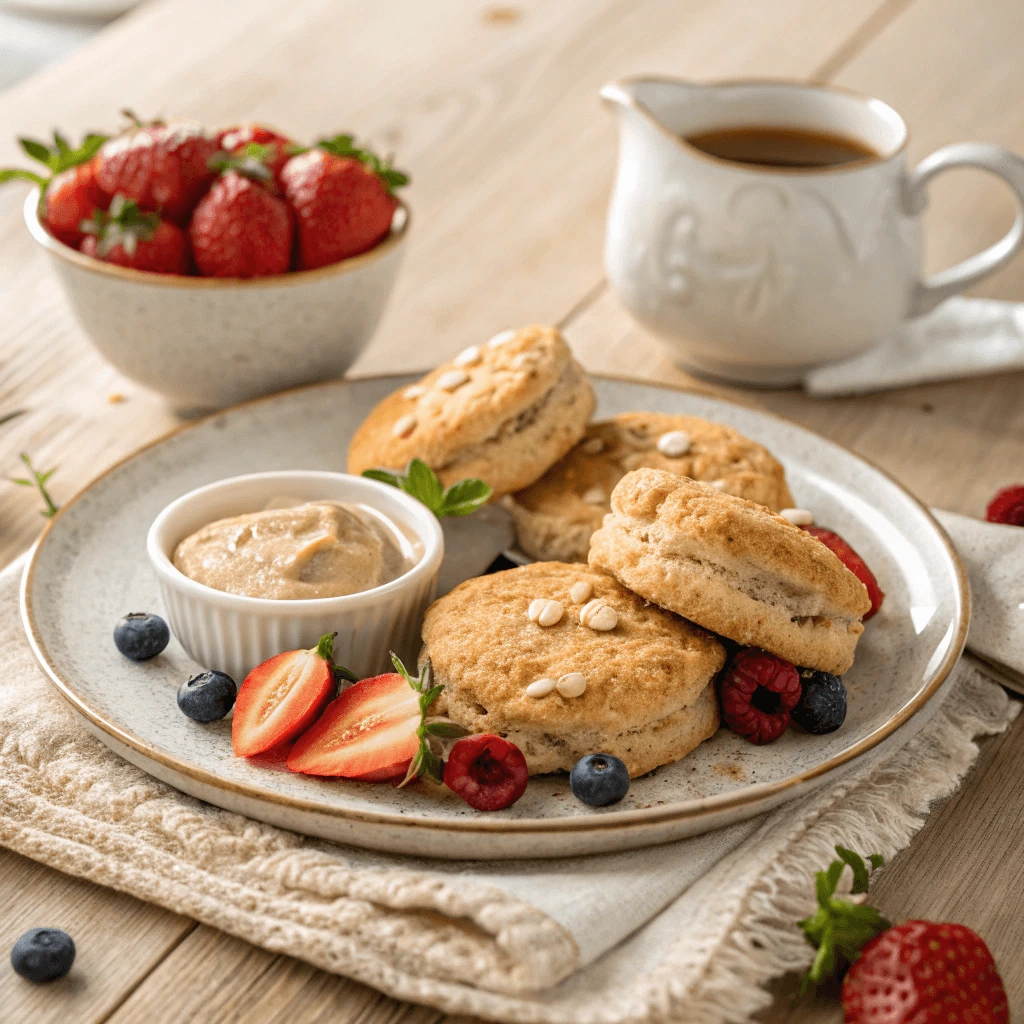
[{"x": 987, "y": 157}]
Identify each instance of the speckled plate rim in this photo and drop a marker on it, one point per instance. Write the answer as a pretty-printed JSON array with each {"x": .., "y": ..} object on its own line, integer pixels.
[{"x": 756, "y": 794}]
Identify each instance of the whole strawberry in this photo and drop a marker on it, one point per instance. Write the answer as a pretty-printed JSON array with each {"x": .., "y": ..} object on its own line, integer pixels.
[
  {"x": 343, "y": 200},
  {"x": 1007, "y": 506},
  {"x": 130, "y": 238},
  {"x": 918, "y": 972},
  {"x": 239, "y": 228},
  {"x": 926, "y": 973},
  {"x": 161, "y": 167},
  {"x": 70, "y": 193},
  {"x": 234, "y": 141}
]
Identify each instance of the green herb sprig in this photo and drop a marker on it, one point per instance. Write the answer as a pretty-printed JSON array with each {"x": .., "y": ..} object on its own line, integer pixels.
[
  {"x": 38, "y": 480},
  {"x": 839, "y": 928},
  {"x": 426, "y": 762},
  {"x": 461, "y": 499}
]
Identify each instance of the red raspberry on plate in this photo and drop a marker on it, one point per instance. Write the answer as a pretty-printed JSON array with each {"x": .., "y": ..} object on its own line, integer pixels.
[
  {"x": 853, "y": 562},
  {"x": 488, "y": 772},
  {"x": 758, "y": 691},
  {"x": 1007, "y": 506}
]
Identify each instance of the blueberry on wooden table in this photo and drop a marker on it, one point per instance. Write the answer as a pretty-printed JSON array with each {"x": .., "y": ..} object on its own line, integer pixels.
[
  {"x": 141, "y": 636},
  {"x": 43, "y": 954},
  {"x": 599, "y": 780},
  {"x": 822, "y": 704},
  {"x": 207, "y": 696}
]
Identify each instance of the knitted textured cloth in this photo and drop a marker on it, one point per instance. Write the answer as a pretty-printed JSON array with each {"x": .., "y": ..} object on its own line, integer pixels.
[{"x": 697, "y": 926}]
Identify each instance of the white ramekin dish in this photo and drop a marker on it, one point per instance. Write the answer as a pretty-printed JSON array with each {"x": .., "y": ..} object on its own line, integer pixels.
[
  {"x": 234, "y": 634},
  {"x": 210, "y": 341}
]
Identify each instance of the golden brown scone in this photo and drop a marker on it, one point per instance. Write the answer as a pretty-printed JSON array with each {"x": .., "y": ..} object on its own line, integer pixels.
[
  {"x": 648, "y": 698},
  {"x": 555, "y": 516},
  {"x": 503, "y": 411},
  {"x": 733, "y": 567}
]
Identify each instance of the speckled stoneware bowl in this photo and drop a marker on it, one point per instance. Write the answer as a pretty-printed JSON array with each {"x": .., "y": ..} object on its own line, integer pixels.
[
  {"x": 90, "y": 568},
  {"x": 207, "y": 342}
]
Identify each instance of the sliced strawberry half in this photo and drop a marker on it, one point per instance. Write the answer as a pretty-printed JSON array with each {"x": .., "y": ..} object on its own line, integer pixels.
[
  {"x": 375, "y": 730},
  {"x": 282, "y": 697},
  {"x": 853, "y": 562}
]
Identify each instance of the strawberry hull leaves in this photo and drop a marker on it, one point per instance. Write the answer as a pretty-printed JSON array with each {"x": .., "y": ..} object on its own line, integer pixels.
[
  {"x": 460, "y": 499},
  {"x": 839, "y": 928},
  {"x": 61, "y": 156},
  {"x": 344, "y": 145}
]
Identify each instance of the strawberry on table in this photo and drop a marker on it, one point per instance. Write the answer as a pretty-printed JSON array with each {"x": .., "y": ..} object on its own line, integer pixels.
[
  {"x": 283, "y": 696},
  {"x": 240, "y": 228},
  {"x": 917, "y": 972},
  {"x": 343, "y": 198},
  {"x": 130, "y": 238},
  {"x": 234, "y": 140},
  {"x": 376, "y": 730},
  {"x": 70, "y": 192},
  {"x": 161, "y": 167}
]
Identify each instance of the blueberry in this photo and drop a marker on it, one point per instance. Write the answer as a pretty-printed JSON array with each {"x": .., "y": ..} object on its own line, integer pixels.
[
  {"x": 822, "y": 706},
  {"x": 207, "y": 696},
  {"x": 599, "y": 780},
  {"x": 43, "y": 954},
  {"x": 141, "y": 636}
]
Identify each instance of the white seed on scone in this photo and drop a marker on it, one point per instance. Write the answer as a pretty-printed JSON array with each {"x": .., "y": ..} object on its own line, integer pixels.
[
  {"x": 598, "y": 615},
  {"x": 414, "y": 391},
  {"x": 798, "y": 516},
  {"x": 501, "y": 338},
  {"x": 524, "y": 359},
  {"x": 593, "y": 446},
  {"x": 540, "y": 687},
  {"x": 594, "y": 496},
  {"x": 404, "y": 426},
  {"x": 580, "y": 591},
  {"x": 452, "y": 379},
  {"x": 674, "y": 443},
  {"x": 468, "y": 356},
  {"x": 719, "y": 485},
  {"x": 572, "y": 684},
  {"x": 545, "y": 612}
]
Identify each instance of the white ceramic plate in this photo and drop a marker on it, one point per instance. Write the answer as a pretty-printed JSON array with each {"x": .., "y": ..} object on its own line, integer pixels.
[{"x": 90, "y": 568}]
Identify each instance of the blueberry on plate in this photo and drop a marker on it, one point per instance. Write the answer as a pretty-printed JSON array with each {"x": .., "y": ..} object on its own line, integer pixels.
[
  {"x": 599, "y": 780},
  {"x": 207, "y": 696},
  {"x": 141, "y": 636},
  {"x": 43, "y": 954},
  {"x": 822, "y": 706}
]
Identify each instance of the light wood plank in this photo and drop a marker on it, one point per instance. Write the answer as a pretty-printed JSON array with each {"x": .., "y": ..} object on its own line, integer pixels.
[
  {"x": 215, "y": 978},
  {"x": 118, "y": 941}
]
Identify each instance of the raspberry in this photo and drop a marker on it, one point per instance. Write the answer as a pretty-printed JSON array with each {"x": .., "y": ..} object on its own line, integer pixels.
[
  {"x": 1007, "y": 506},
  {"x": 758, "y": 692},
  {"x": 853, "y": 562},
  {"x": 488, "y": 772}
]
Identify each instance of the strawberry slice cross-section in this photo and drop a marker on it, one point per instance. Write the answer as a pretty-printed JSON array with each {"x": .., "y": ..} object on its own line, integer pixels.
[
  {"x": 376, "y": 730},
  {"x": 283, "y": 696}
]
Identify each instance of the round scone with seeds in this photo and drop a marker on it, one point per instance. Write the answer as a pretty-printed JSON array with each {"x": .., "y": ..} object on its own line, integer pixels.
[
  {"x": 503, "y": 411},
  {"x": 555, "y": 517},
  {"x": 564, "y": 662},
  {"x": 732, "y": 566}
]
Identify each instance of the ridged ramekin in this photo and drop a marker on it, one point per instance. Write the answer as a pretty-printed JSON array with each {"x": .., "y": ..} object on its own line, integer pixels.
[{"x": 234, "y": 634}]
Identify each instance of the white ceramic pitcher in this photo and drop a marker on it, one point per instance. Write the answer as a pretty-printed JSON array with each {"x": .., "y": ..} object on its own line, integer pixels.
[{"x": 756, "y": 274}]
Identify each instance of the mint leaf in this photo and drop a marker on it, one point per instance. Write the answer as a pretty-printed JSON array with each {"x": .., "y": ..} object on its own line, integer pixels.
[
  {"x": 422, "y": 483},
  {"x": 465, "y": 497},
  {"x": 384, "y": 477}
]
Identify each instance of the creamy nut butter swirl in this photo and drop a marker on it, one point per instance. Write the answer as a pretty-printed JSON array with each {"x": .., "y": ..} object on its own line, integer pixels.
[{"x": 316, "y": 550}]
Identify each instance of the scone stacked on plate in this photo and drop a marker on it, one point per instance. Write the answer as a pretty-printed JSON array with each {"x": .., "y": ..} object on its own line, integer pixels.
[
  {"x": 731, "y": 566},
  {"x": 503, "y": 412},
  {"x": 563, "y": 661},
  {"x": 555, "y": 516}
]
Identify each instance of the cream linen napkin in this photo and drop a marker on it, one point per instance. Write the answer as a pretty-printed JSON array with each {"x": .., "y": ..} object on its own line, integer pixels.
[
  {"x": 961, "y": 338},
  {"x": 687, "y": 931}
]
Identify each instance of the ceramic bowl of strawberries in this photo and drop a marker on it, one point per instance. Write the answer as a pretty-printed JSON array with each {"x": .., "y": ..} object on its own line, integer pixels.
[{"x": 215, "y": 266}]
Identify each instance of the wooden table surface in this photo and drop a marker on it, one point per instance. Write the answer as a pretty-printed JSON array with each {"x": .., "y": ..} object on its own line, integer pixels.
[{"x": 494, "y": 110}]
